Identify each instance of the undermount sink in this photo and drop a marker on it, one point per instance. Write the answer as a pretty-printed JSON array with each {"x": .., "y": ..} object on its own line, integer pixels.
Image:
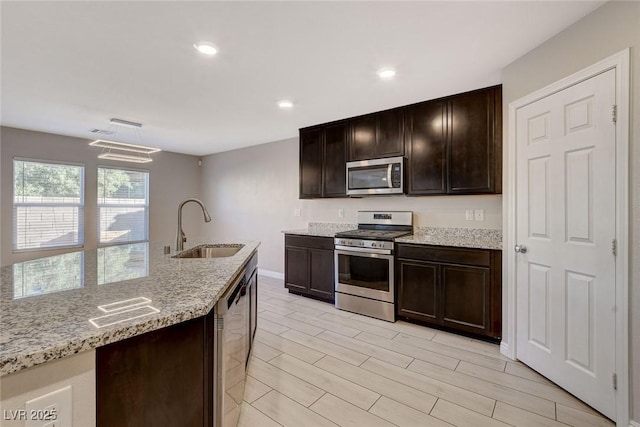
[{"x": 210, "y": 251}]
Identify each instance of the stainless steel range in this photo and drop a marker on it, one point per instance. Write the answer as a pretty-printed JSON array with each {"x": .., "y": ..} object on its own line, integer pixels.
[{"x": 365, "y": 282}]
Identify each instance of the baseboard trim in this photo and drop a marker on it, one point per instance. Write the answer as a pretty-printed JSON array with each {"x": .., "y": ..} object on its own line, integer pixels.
[
  {"x": 269, "y": 273},
  {"x": 634, "y": 423},
  {"x": 506, "y": 351}
]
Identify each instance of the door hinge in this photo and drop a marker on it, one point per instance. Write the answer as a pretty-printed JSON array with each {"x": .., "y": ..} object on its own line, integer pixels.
[
  {"x": 614, "y": 113},
  {"x": 615, "y": 381},
  {"x": 614, "y": 247}
]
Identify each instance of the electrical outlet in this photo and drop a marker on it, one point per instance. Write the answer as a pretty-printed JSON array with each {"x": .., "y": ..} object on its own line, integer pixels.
[
  {"x": 340, "y": 213},
  {"x": 50, "y": 410},
  {"x": 479, "y": 214},
  {"x": 297, "y": 212},
  {"x": 469, "y": 214}
]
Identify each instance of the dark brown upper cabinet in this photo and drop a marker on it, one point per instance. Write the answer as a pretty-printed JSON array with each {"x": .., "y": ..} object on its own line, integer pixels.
[
  {"x": 426, "y": 145},
  {"x": 454, "y": 144},
  {"x": 311, "y": 147},
  {"x": 475, "y": 142},
  {"x": 377, "y": 135},
  {"x": 323, "y": 156}
]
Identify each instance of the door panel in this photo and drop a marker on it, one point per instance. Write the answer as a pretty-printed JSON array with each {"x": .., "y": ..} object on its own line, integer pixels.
[
  {"x": 565, "y": 205},
  {"x": 418, "y": 292},
  {"x": 389, "y": 136},
  {"x": 311, "y": 164},
  {"x": 465, "y": 293},
  {"x": 334, "y": 161},
  {"x": 296, "y": 274},
  {"x": 321, "y": 273}
]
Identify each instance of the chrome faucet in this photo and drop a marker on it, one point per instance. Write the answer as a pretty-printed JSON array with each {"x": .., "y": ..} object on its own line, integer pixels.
[{"x": 180, "y": 237}]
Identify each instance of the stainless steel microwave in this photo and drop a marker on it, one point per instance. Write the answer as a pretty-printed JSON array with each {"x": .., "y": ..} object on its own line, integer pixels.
[{"x": 377, "y": 176}]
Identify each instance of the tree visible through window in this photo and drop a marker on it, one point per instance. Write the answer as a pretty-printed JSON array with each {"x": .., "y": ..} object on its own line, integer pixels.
[
  {"x": 123, "y": 205},
  {"x": 48, "y": 205}
]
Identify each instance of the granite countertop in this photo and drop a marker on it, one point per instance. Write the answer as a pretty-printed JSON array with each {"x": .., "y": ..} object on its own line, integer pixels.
[
  {"x": 46, "y": 304},
  {"x": 457, "y": 237},
  {"x": 478, "y": 238},
  {"x": 322, "y": 229}
]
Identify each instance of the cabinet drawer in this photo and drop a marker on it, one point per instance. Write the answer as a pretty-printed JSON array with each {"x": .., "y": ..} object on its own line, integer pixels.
[
  {"x": 314, "y": 242},
  {"x": 480, "y": 257}
]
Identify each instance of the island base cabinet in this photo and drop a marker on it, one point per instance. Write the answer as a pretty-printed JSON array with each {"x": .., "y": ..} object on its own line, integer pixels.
[
  {"x": 457, "y": 289},
  {"x": 154, "y": 379}
]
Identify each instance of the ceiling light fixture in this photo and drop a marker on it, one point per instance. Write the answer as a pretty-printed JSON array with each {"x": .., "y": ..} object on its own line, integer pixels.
[
  {"x": 121, "y": 151},
  {"x": 284, "y": 104},
  {"x": 124, "y": 157},
  {"x": 386, "y": 73},
  {"x": 205, "y": 48}
]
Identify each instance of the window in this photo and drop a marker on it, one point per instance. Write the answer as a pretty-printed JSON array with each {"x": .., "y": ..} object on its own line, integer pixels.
[
  {"x": 48, "y": 205},
  {"x": 123, "y": 206}
]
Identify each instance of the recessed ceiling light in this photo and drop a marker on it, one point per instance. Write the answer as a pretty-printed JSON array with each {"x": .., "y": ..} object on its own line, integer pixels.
[
  {"x": 386, "y": 73},
  {"x": 206, "y": 48},
  {"x": 285, "y": 104}
]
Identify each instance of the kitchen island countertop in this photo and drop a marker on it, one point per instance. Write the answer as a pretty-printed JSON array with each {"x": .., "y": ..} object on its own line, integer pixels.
[{"x": 58, "y": 306}]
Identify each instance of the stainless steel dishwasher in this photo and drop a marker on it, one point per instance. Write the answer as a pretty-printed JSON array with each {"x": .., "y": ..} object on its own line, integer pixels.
[{"x": 230, "y": 352}]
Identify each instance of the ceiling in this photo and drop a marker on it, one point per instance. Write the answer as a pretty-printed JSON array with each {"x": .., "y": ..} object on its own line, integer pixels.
[{"x": 69, "y": 67}]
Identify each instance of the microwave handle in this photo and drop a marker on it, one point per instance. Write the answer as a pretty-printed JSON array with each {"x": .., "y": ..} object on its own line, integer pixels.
[{"x": 389, "y": 177}]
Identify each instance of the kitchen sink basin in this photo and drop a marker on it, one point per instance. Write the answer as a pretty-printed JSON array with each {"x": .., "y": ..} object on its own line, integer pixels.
[{"x": 210, "y": 251}]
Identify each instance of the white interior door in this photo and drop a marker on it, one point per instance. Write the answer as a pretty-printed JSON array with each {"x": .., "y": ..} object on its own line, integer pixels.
[{"x": 565, "y": 204}]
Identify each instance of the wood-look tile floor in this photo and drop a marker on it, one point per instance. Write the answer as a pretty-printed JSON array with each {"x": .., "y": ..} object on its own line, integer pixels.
[{"x": 313, "y": 365}]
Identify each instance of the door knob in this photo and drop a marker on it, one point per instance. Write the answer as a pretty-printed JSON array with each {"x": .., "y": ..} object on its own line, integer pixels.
[{"x": 520, "y": 249}]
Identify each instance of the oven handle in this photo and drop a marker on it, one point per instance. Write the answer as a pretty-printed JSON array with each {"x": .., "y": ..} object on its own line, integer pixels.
[{"x": 364, "y": 252}]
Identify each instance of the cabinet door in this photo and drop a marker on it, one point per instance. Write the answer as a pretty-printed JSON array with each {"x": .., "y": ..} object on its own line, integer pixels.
[
  {"x": 389, "y": 136},
  {"x": 472, "y": 142},
  {"x": 425, "y": 142},
  {"x": 418, "y": 293},
  {"x": 465, "y": 298},
  {"x": 362, "y": 144},
  {"x": 321, "y": 273},
  {"x": 154, "y": 379},
  {"x": 335, "y": 159},
  {"x": 311, "y": 163},
  {"x": 296, "y": 272}
]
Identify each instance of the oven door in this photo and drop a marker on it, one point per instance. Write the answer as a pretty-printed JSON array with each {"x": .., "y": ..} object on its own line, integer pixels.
[{"x": 363, "y": 273}]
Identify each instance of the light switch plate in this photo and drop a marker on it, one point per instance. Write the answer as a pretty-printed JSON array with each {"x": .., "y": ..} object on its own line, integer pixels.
[
  {"x": 51, "y": 410},
  {"x": 479, "y": 214},
  {"x": 297, "y": 212},
  {"x": 340, "y": 213},
  {"x": 469, "y": 214}
]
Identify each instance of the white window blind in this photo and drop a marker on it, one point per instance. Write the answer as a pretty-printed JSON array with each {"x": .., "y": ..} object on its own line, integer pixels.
[
  {"x": 48, "y": 205},
  {"x": 123, "y": 205}
]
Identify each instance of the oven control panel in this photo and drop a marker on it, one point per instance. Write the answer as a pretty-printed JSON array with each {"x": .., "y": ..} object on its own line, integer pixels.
[{"x": 365, "y": 244}]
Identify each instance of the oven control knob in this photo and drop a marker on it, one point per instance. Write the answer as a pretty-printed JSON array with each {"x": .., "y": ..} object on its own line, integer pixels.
[
  {"x": 374, "y": 244},
  {"x": 361, "y": 243}
]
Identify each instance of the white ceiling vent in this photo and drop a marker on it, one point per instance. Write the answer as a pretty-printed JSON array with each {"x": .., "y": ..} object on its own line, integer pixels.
[{"x": 102, "y": 131}]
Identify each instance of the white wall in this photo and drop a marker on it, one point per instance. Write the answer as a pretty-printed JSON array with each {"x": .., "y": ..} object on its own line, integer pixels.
[
  {"x": 75, "y": 371},
  {"x": 172, "y": 178},
  {"x": 252, "y": 193},
  {"x": 608, "y": 30}
]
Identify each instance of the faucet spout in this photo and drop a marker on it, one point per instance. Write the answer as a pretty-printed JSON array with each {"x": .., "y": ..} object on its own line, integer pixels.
[{"x": 180, "y": 236}]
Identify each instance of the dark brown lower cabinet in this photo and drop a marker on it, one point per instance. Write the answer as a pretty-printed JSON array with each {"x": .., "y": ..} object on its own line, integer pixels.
[
  {"x": 456, "y": 288},
  {"x": 164, "y": 377},
  {"x": 309, "y": 266},
  {"x": 159, "y": 378}
]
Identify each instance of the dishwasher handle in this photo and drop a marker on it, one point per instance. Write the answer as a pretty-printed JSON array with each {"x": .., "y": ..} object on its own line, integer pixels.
[{"x": 239, "y": 291}]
